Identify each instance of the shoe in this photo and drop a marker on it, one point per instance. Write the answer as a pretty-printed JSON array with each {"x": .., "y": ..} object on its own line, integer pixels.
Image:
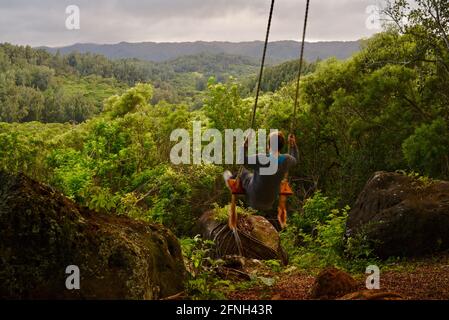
[{"x": 226, "y": 176}]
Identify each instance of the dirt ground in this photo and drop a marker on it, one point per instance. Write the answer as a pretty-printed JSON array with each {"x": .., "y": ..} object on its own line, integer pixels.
[{"x": 419, "y": 279}]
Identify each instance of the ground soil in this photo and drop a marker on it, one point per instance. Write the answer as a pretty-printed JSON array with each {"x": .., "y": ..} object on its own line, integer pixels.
[{"x": 418, "y": 279}]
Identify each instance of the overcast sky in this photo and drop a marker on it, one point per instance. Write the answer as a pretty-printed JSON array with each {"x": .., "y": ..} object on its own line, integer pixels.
[{"x": 42, "y": 22}]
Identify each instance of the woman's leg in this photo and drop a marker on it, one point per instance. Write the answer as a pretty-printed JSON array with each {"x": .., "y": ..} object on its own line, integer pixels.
[{"x": 246, "y": 178}]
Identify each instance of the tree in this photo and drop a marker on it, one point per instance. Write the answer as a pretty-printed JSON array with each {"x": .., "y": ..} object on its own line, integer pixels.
[
  {"x": 131, "y": 100},
  {"x": 427, "y": 21},
  {"x": 41, "y": 77},
  {"x": 427, "y": 150},
  {"x": 225, "y": 108}
]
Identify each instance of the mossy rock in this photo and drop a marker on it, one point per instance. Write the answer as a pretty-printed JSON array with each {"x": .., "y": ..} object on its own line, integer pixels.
[
  {"x": 402, "y": 215},
  {"x": 43, "y": 232},
  {"x": 258, "y": 237}
]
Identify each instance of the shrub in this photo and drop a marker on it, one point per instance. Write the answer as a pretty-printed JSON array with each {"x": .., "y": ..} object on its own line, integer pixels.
[
  {"x": 317, "y": 239},
  {"x": 324, "y": 247},
  {"x": 316, "y": 211},
  {"x": 203, "y": 284},
  {"x": 177, "y": 196}
]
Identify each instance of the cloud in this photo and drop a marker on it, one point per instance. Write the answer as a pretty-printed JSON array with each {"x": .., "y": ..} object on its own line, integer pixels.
[{"x": 42, "y": 22}]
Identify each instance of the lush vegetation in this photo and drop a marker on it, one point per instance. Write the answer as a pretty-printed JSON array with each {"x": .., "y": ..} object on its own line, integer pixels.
[
  {"x": 386, "y": 108},
  {"x": 275, "y": 77},
  {"x": 38, "y": 86}
]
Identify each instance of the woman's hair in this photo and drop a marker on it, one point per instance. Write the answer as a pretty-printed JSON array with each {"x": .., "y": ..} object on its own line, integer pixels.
[{"x": 280, "y": 139}]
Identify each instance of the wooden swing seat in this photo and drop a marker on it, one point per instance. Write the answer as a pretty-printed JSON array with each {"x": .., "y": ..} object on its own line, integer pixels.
[
  {"x": 236, "y": 187},
  {"x": 285, "y": 189}
]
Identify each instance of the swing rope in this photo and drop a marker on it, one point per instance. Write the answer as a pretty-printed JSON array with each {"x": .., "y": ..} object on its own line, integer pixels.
[
  {"x": 238, "y": 188},
  {"x": 301, "y": 61},
  {"x": 262, "y": 65},
  {"x": 286, "y": 190},
  {"x": 259, "y": 82}
]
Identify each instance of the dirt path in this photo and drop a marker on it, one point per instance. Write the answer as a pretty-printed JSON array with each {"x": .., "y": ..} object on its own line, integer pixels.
[
  {"x": 425, "y": 279},
  {"x": 427, "y": 282}
]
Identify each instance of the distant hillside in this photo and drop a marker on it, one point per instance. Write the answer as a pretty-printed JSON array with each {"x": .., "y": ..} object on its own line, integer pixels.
[
  {"x": 218, "y": 65},
  {"x": 36, "y": 85},
  {"x": 274, "y": 77},
  {"x": 278, "y": 51}
]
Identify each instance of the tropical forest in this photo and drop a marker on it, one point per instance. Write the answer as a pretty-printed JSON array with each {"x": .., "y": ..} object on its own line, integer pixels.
[{"x": 87, "y": 177}]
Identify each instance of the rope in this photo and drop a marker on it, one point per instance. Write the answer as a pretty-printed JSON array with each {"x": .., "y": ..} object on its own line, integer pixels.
[
  {"x": 301, "y": 59},
  {"x": 259, "y": 82},
  {"x": 253, "y": 120}
]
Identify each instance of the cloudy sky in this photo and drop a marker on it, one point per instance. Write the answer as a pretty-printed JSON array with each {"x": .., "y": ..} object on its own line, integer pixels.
[{"x": 43, "y": 22}]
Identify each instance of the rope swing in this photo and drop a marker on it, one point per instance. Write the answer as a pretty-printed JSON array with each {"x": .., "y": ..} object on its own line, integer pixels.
[{"x": 285, "y": 189}]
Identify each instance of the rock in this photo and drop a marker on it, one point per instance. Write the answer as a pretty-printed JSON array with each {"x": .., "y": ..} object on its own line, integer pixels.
[
  {"x": 372, "y": 295},
  {"x": 43, "y": 232},
  {"x": 332, "y": 283},
  {"x": 401, "y": 215},
  {"x": 259, "y": 239}
]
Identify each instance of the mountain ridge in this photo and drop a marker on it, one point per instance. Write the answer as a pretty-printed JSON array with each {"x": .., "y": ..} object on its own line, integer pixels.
[{"x": 278, "y": 51}]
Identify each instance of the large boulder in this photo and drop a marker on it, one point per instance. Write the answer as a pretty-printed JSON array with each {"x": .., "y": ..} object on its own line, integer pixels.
[
  {"x": 259, "y": 239},
  {"x": 402, "y": 215},
  {"x": 43, "y": 232}
]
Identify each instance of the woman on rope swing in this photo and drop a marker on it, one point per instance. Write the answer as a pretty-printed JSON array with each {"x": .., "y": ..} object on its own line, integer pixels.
[{"x": 262, "y": 189}]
